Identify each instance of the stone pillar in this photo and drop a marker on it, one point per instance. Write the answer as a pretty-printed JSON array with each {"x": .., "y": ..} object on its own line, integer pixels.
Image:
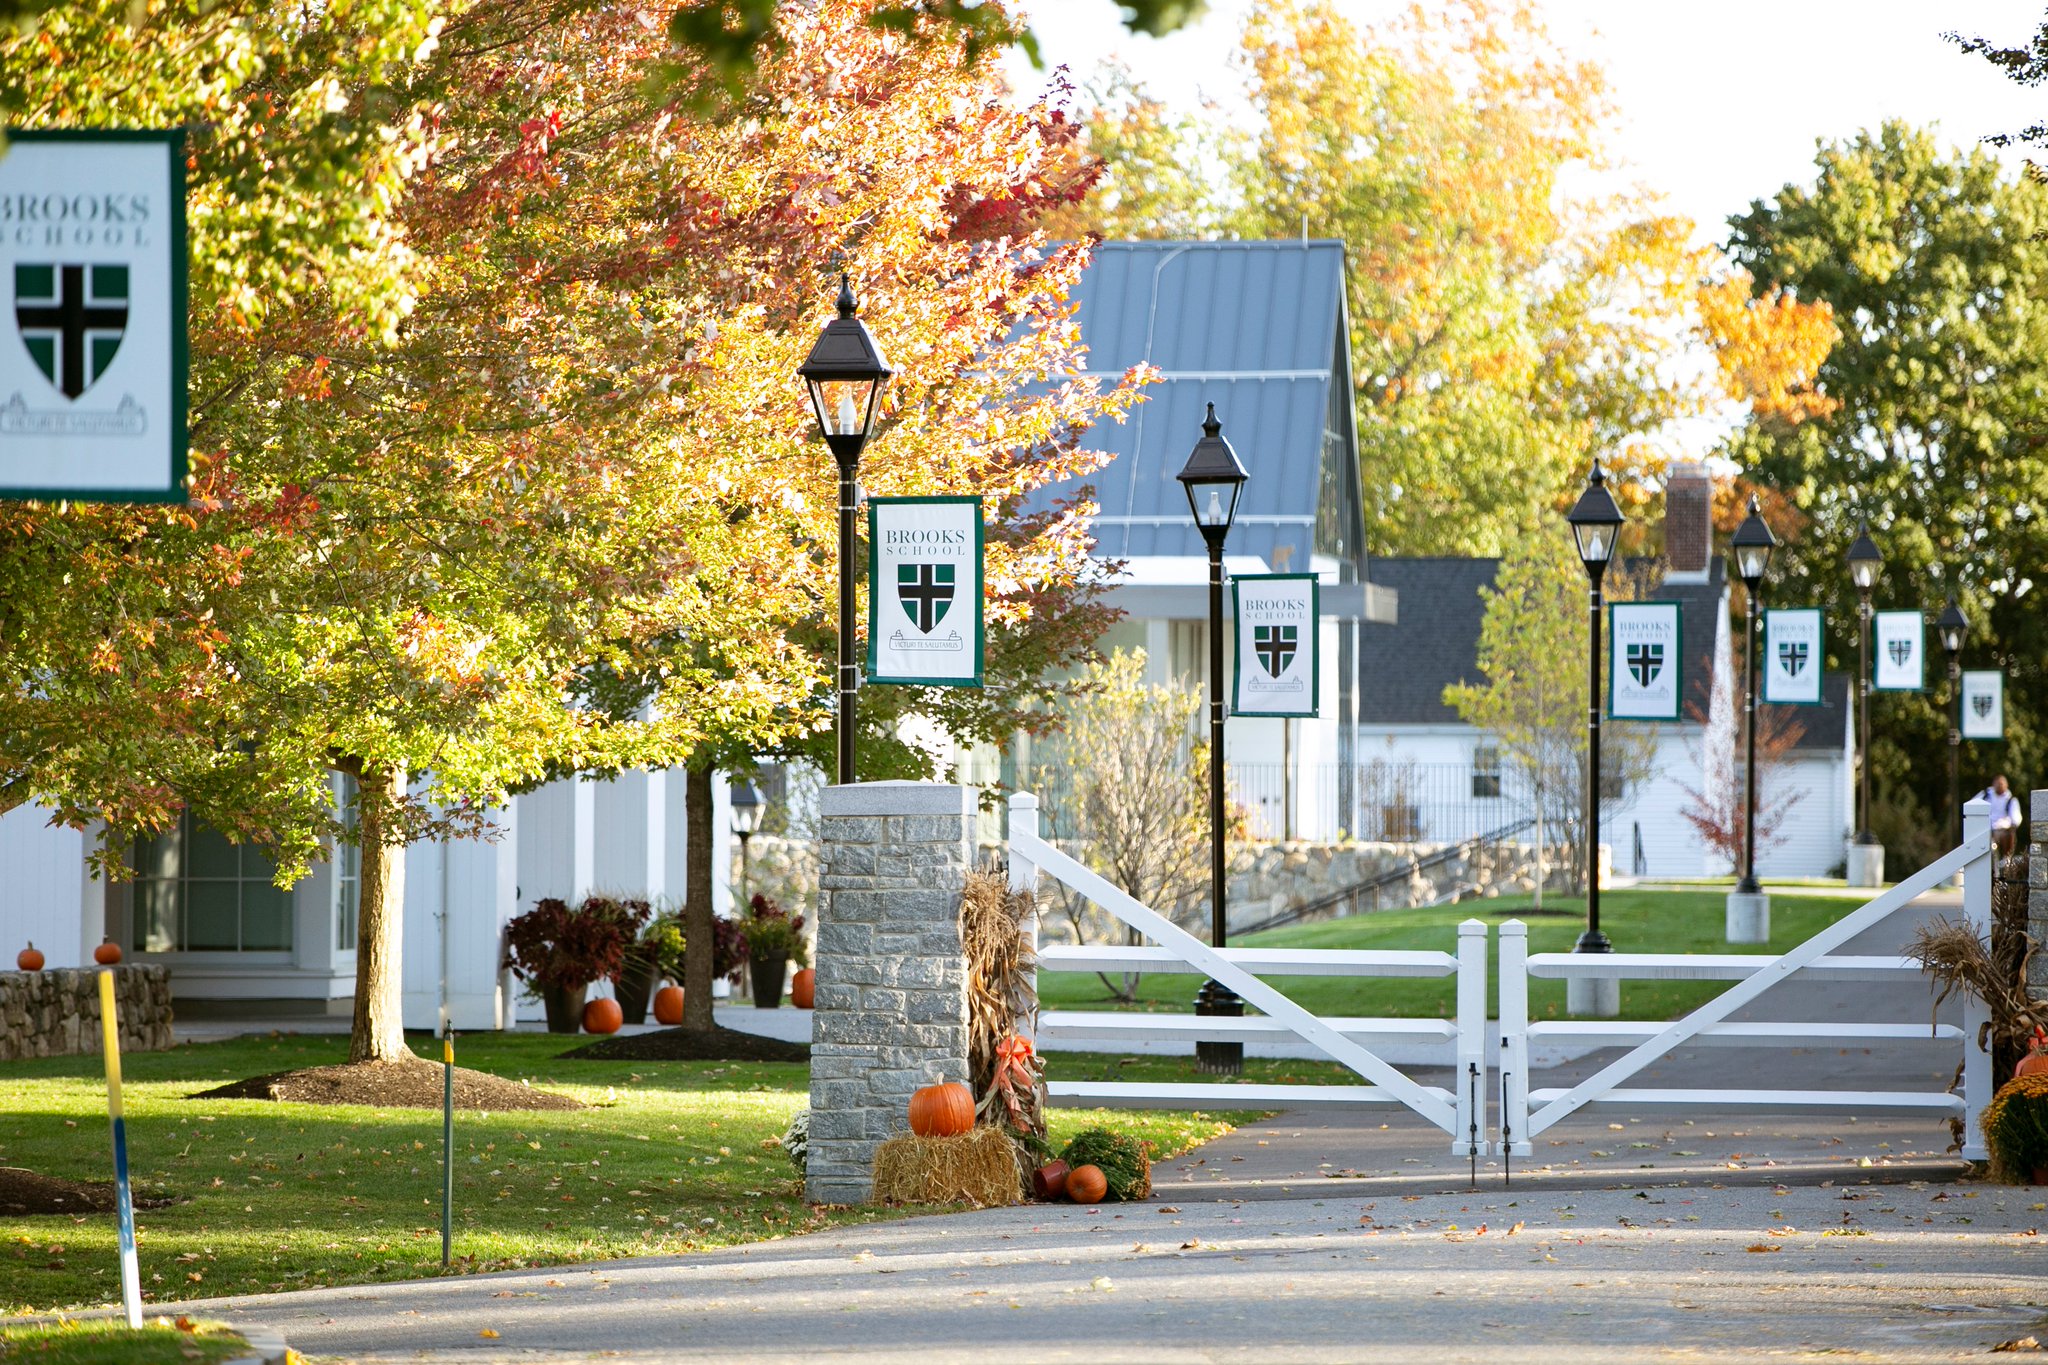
[
  {"x": 891, "y": 1007},
  {"x": 2037, "y": 891}
]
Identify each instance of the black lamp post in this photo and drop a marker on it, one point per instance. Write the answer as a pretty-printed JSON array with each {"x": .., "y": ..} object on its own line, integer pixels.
[
  {"x": 1595, "y": 521},
  {"x": 1213, "y": 479},
  {"x": 846, "y": 374},
  {"x": 1953, "y": 627},
  {"x": 746, "y": 821},
  {"x": 1864, "y": 561},
  {"x": 1752, "y": 545}
]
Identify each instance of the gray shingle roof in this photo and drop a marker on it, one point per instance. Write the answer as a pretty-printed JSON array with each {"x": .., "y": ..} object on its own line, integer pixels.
[{"x": 1255, "y": 328}]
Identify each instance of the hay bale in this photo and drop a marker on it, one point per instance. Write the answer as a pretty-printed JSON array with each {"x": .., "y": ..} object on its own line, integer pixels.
[{"x": 977, "y": 1167}]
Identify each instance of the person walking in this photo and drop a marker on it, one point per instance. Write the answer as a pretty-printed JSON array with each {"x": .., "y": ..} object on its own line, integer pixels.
[{"x": 2005, "y": 814}]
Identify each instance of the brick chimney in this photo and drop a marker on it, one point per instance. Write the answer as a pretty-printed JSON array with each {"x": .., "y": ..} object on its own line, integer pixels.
[{"x": 1688, "y": 523}]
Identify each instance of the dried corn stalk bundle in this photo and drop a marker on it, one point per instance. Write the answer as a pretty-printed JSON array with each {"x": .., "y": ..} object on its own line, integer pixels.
[{"x": 1002, "y": 996}]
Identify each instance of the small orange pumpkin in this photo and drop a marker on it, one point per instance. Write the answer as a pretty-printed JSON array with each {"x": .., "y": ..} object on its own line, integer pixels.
[
  {"x": 603, "y": 1015},
  {"x": 804, "y": 988},
  {"x": 1086, "y": 1184},
  {"x": 2037, "y": 1054},
  {"x": 944, "y": 1110},
  {"x": 668, "y": 1005},
  {"x": 29, "y": 959},
  {"x": 107, "y": 954}
]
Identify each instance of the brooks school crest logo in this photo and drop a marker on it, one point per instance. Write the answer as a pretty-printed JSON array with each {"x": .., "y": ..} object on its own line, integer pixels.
[
  {"x": 1792, "y": 657},
  {"x": 926, "y": 591},
  {"x": 1645, "y": 662},
  {"x": 1275, "y": 646},
  {"x": 1981, "y": 704},
  {"x": 1900, "y": 650},
  {"x": 72, "y": 319}
]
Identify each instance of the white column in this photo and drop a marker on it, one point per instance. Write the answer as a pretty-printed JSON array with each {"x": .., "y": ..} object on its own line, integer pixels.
[
  {"x": 92, "y": 897},
  {"x": 1977, "y": 1079},
  {"x": 1514, "y": 1038},
  {"x": 1470, "y": 1137}
]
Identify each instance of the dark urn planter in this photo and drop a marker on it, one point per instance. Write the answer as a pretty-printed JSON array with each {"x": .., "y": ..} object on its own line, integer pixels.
[
  {"x": 634, "y": 984},
  {"x": 565, "y": 1008},
  {"x": 768, "y": 973}
]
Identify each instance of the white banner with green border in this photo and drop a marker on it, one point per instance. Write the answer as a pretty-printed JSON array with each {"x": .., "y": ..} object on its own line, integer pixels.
[
  {"x": 1900, "y": 640},
  {"x": 1645, "y": 674},
  {"x": 92, "y": 371},
  {"x": 925, "y": 591},
  {"x": 1983, "y": 704},
  {"x": 1275, "y": 672},
  {"x": 1794, "y": 648}
]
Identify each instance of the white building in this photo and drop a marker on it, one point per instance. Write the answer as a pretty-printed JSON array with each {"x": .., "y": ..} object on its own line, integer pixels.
[{"x": 236, "y": 945}]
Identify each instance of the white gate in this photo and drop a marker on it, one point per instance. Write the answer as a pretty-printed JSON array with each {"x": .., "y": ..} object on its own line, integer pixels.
[
  {"x": 1526, "y": 1113},
  {"x": 1459, "y": 1111}
]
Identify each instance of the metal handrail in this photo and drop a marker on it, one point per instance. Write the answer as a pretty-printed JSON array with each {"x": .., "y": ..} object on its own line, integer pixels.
[{"x": 1388, "y": 878}]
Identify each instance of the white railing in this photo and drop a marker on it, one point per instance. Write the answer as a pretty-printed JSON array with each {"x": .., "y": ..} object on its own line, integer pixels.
[
  {"x": 1525, "y": 1113},
  {"x": 1459, "y": 1111}
]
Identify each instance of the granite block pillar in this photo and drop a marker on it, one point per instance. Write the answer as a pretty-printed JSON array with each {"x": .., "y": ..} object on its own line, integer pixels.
[{"x": 890, "y": 1013}]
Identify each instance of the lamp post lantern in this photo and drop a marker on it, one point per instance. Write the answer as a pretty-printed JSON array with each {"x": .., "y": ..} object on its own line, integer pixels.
[
  {"x": 1866, "y": 855},
  {"x": 746, "y": 821},
  {"x": 846, "y": 373},
  {"x": 1596, "y": 521},
  {"x": 1953, "y": 627},
  {"x": 1749, "y": 910},
  {"x": 1213, "y": 478}
]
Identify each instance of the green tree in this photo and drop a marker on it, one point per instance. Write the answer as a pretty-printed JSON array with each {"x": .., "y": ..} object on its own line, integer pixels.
[
  {"x": 1532, "y": 651},
  {"x": 1936, "y": 266}
]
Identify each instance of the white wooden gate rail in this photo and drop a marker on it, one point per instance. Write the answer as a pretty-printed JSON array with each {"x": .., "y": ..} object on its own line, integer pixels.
[
  {"x": 1460, "y": 1112},
  {"x": 1525, "y": 1113}
]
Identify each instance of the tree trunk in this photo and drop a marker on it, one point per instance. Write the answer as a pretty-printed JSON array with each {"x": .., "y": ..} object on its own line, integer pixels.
[
  {"x": 699, "y": 943},
  {"x": 378, "y": 1033}
]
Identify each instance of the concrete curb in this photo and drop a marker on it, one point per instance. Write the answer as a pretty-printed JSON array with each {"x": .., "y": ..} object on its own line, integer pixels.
[{"x": 266, "y": 1346}]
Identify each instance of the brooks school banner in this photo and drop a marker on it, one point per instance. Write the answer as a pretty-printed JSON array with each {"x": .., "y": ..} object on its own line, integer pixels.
[
  {"x": 1276, "y": 672},
  {"x": 1792, "y": 659},
  {"x": 1983, "y": 704},
  {"x": 92, "y": 363},
  {"x": 924, "y": 591},
  {"x": 1899, "y": 639},
  {"x": 1645, "y": 676}
]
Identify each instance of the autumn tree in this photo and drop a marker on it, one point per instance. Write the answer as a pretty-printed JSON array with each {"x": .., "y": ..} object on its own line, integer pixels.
[
  {"x": 1532, "y": 651},
  {"x": 538, "y": 424},
  {"x": 1935, "y": 263}
]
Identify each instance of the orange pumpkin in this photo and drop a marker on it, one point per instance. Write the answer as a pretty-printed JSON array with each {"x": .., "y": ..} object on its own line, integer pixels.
[
  {"x": 668, "y": 1005},
  {"x": 945, "y": 1110},
  {"x": 107, "y": 954},
  {"x": 28, "y": 959},
  {"x": 2031, "y": 1063},
  {"x": 603, "y": 1016},
  {"x": 1086, "y": 1184},
  {"x": 804, "y": 988}
]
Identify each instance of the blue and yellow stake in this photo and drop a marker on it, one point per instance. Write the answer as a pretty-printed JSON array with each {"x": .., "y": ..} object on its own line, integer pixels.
[{"x": 110, "y": 1036}]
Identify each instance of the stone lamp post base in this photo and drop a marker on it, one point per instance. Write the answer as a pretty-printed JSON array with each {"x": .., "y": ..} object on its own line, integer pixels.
[
  {"x": 1866, "y": 864},
  {"x": 1749, "y": 916},
  {"x": 1593, "y": 997}
]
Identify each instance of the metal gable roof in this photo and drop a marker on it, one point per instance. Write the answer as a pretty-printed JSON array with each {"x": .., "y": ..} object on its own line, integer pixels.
[{"x": 1255, "y": 328}]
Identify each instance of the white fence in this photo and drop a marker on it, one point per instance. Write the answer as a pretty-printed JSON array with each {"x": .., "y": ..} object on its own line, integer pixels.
[
  {"x": 1524, "y": 1112},
  {"x": 1459, "y": 1112}
]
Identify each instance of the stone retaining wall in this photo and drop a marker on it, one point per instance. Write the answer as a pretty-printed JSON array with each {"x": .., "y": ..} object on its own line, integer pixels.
[
  {"x": 890, "y": 1013},
  {"x": 55, "y": 1013}
]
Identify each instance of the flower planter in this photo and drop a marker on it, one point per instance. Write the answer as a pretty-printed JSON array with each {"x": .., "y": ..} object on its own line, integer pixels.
[
  {"x": 767, "y": 974},
  {"x": 564, "y": 1007},
  {"x": 634, "y": 985}
]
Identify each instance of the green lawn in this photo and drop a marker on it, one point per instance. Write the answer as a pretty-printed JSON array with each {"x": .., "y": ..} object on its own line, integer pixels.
[
  {"x": 103, "y": 1341},
  {"x": 675, "y": 1156},
  {"x": 1636, "y": 921}
]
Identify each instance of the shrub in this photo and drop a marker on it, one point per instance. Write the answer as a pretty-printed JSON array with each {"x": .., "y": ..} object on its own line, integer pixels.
[
  {"x": 662, "y": 942},
  {"x": 1123, "y": 1161},
  {"x": 554, "y": 946},
  {"x": 2015, "y": 1127},
  {"x": 796, "y": 1140}
]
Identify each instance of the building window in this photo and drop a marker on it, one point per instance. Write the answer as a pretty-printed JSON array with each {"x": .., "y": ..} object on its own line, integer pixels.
[
  {"x": 348, "y": 870},
  {"x": 1486, "y": 770},
  {"x": 197, "y": 893}
]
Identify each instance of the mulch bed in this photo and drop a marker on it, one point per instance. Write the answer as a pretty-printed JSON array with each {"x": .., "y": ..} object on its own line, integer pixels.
[
  {"x": 390, "y": 1085},
  {"x": 24, "y": 1193},
  {"x": 691, "y": 1045}
]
